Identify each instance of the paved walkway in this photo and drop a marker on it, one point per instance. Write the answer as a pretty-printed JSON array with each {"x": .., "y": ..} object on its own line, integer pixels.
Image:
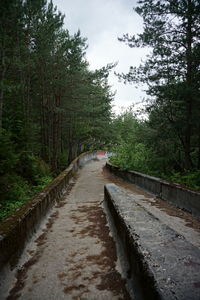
[{"x": 75, "y": 256}]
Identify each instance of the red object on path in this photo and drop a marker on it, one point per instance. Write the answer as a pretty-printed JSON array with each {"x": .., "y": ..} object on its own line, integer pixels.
[{"x": 102, "y": 153}]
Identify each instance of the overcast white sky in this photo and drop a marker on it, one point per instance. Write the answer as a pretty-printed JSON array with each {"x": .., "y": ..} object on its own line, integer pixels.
[{"x": 102, "y": 22}]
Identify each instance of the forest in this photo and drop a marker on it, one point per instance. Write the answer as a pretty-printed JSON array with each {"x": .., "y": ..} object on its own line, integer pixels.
[
  {"x": 167, "y": 144},
  {"x": 53, "y": 107}
]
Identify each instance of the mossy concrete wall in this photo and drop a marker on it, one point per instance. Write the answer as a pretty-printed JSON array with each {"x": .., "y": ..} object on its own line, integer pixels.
[
  {"x": 17, "y": 229},
  {"x": 171, "y": 192}
]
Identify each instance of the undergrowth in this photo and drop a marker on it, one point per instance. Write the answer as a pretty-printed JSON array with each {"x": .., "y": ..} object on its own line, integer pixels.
[
  {"x": 141, "y": 163},
  {"x": 21, "y": 176}
]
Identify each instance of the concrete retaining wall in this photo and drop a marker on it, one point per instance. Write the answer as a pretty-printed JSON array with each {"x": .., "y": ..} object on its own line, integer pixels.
[
  {"x": 162, "y": 264},
  {"x": 17, "y": 229},
  {"x": 173, "y": 193}
]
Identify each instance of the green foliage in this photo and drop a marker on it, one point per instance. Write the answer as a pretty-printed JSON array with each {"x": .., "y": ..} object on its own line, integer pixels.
[
  {"x": 131, "y": 157},
  {"x": 171, "y": 72},
  {"x": 190, "y": 179},
  {"x": 13, "y": 187},
  {"x": 15, "y": 191},
  {"x": 130, "y": 151},
  {"x": 43, "y": 181},
  {"x": 32, "y": 168},
  {"x": 21, "y": 181},
  {"x": 139, "y": 148},
  {"x": 52, "y": 107},
  {"x": 170, "y": 137},
  {"x": 8, "y": 157}
]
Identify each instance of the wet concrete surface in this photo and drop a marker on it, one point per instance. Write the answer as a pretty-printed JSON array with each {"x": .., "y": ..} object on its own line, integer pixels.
[
  {"x": 183, "y": 222},
  {"x": 73, "y": 256},
  {"x": 167, "y": 264}
]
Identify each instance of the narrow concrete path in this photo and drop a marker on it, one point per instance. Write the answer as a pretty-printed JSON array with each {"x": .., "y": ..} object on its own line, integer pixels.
[
  {"x": 179, "y": 220},
  {"x": 75, "y": 256}
]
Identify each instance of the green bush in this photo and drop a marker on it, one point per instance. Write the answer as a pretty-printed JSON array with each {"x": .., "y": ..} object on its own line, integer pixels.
[
  {"x": 43, "y": 182},
  {"x": 131, "y": 156},
  {"x": 190, "y": 179},
  {"x": 15, "y": 191},
  {"x": 8, "y": 157},
  {"x": 138, "y": 158},
  {"x": 32, "y": 168},
  {"x": 21, "y": 176},
  {"x": 62, "y": 162}
]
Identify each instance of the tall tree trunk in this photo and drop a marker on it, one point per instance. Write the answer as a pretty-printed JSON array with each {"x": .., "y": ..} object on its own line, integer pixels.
[
  {"x": 198, "y": 163},
  {"x": 44, "y": 130},
  {"x": 56, "y": 133},
  {"x": 189, "y": 100},
  {"x": 3, "y": 72}
]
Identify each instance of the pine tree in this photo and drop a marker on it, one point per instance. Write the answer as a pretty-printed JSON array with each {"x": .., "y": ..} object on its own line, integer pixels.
[{"x": 171, "y": 30}]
